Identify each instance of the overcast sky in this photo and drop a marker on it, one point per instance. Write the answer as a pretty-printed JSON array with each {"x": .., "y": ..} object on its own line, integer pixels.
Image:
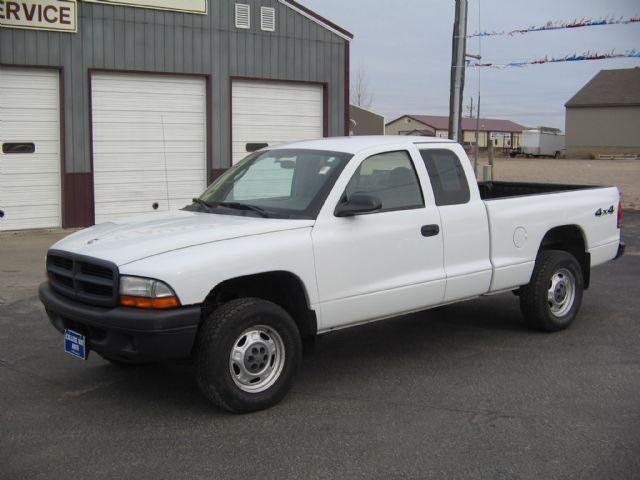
[{"x": 405, "y": 47}]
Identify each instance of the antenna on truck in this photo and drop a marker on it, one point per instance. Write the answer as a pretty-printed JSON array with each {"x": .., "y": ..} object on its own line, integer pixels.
[{"x": 164, "y": 154}]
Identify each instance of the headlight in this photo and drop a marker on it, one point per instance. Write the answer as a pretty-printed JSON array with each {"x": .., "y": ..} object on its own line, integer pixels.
[{"x": 146, "y": 293}]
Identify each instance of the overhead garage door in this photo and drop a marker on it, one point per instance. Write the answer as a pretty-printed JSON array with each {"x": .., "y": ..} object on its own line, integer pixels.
[
  {"x": 274, "y": 112},
  {"x": 29, "y": 182},
  {"x": 149, "y": 143}
]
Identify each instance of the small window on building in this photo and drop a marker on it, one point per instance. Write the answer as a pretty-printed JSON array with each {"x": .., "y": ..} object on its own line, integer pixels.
[
  {"x": 243, "y": 16},
  {"x": 268, "y": 19},
  {"x": 390, "y": 177},
  {"x": 12, "y": 148},
  {"x": 447, "y": 177}
]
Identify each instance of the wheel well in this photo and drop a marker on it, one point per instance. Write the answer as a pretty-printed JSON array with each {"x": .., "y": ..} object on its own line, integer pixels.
[
  {"x": 282, "y": 288},
  {"x": 570, "y": 239}
]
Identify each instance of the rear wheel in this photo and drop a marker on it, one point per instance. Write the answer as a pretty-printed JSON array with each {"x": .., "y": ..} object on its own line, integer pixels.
[
  {"x": 552, "y": 300},
  {"x": 248, "y": 353}
]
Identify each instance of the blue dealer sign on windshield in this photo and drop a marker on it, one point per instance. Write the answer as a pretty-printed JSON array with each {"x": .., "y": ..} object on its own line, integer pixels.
[{"x": 75, "y": 344}]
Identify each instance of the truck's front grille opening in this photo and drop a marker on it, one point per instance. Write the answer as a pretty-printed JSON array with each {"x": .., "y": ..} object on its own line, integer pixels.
[
  {"x": 61, "y": 279},
  {"x": 86, "y": 280},
  {"x": 96, "y": 270}
]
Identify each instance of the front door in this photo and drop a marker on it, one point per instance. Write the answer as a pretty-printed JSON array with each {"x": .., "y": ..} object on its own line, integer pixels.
[{"x": 380, "y": 264}]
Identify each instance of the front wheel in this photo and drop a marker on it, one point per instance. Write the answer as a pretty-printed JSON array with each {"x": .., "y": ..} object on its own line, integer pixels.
[
  {"x": 552, "y": 300},
  {"x": 248, "y": 353}
]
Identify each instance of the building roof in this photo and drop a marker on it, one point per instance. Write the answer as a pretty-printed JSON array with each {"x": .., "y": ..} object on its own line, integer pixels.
[
  {"x": 424, "y": 133},
  {"x": 468, "y": 124},
  {"x": 610, "y": 88},
  {"x": 370, "y": 112},
  {"x": 328, "y": 24},
  {"x": 355, "y": 145}
]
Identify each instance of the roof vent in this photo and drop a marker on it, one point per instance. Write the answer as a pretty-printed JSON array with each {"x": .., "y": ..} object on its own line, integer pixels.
[
  {"x": 268, "y": 19},
  {"x": 243, "y": 16}
]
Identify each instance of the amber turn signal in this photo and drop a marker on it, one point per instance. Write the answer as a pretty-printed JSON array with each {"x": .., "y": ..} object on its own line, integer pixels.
[{"x": 152, "y": 303}]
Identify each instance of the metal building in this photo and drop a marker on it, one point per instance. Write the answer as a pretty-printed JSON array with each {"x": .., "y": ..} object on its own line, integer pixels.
[
  {"x": 603, "y": 118},
  {"x": 111, "y": 108}
]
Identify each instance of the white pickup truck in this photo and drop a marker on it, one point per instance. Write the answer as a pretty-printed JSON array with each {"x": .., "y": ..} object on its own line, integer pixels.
[{"x": 303, "y": 239}]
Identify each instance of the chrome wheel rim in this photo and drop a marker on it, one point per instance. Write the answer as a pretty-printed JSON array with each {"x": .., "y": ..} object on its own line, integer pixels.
[
  {"x": 562, "y": 292},
  {"x": 257, "y": 359}
]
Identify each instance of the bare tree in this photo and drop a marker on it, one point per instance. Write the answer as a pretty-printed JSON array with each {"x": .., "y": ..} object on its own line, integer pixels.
[{"x": 361, "y": 94}]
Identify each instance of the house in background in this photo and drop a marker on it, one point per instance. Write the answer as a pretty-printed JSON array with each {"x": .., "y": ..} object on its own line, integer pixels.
[
  {"x": 365, "y": 122},
  {"x": 503, "y": 133},
  {"x": 603, "y": 118}
]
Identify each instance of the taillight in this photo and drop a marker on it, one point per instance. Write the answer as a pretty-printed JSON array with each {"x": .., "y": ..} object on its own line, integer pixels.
[{"x": 620, "y": 214}]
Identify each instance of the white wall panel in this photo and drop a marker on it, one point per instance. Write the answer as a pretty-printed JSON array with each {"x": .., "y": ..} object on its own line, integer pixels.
[
  {"x": 149, "y": 142},
  {"x": 30, "y": 183},
  {"x": 274, "y": 112}
]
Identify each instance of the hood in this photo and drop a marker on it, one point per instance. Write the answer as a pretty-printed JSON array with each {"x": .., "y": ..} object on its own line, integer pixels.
[{"x": 139, "y": 237}]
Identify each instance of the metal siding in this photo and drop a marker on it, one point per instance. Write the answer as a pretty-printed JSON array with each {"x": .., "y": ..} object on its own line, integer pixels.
[{"x": 125, "y": 38}]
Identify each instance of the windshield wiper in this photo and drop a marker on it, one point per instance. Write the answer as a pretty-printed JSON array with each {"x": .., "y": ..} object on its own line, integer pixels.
[
  {"x": 243, "y": 206},
  {"x": 199, "y": 201}
]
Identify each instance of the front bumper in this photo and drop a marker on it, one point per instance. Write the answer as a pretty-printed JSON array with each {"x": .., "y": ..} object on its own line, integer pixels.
[{"x": 126, "y": 334}]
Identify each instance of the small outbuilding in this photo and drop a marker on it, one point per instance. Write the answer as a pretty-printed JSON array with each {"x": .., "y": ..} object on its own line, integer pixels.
[
  {"x": 365, "y": 122},
  {"x": 603, "y": 118}
]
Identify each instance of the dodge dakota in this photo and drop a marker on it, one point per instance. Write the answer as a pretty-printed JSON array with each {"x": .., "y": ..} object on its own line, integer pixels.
[{"x": 302, "y": 239}]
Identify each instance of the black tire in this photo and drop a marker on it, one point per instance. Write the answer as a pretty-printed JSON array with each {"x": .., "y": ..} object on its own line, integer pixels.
[
  {"x": 534, "y": 302},
  {"x": 217, "y": 338},
  {"x": 557, "y": 155}
]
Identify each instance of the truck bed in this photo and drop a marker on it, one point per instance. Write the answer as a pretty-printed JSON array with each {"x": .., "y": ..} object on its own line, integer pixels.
[{"x": 498, "y": 190}]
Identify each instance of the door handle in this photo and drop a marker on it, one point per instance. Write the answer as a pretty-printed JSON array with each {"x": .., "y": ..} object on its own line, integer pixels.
[{"x": 430, "y": 230}]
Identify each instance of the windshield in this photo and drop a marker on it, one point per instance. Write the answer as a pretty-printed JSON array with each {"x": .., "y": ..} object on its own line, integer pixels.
[{"x": 275, "y": 184}]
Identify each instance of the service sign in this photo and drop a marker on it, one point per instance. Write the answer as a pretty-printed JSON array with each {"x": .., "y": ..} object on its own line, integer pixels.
[
  {"x": 59, "y": 15},
  {"x": 190, "y": 6}
]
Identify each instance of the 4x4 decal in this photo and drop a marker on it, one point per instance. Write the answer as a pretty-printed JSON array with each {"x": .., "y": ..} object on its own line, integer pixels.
[{"x": 609, "y": 211}]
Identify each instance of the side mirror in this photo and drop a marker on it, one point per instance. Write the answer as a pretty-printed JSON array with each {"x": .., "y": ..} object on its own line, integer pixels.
[{"x": 358, "y": 204}]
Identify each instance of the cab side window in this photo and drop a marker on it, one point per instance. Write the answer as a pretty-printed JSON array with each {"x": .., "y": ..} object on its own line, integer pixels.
[
  {"x": 447, "y": 176},
  {"x": 392, "y": 178}
]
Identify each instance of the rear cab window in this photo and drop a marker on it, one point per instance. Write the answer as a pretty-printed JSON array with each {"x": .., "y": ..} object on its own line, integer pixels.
[{"x": 447, "y": 176}]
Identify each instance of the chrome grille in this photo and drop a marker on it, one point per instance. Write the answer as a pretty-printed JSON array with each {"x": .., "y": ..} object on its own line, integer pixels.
[{"x": 85, "y": 279}]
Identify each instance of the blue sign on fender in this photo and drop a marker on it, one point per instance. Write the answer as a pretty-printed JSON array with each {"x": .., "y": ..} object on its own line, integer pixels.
[{"x": 75, "y": 344}]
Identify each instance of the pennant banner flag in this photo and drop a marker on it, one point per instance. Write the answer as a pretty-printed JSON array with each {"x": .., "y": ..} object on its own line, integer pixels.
[
  {"x": 559, "y": 25},
  {"x": 633, "y": 53}
]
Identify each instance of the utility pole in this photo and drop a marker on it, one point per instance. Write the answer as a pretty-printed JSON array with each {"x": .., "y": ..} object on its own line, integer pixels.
[
  {"x": 458, "y": 59},
  {"x": 476, "y": 147}
]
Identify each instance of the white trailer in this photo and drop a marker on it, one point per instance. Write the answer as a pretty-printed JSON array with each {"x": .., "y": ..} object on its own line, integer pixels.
[{"x": 542, "y": 143}]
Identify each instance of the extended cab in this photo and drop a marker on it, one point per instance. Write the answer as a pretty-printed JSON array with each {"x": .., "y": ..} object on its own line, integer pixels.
[{"x": 302, "y": 239}]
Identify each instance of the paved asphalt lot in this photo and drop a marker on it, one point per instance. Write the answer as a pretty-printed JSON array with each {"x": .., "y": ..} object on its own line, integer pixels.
[{"x": 465, "y": 391}]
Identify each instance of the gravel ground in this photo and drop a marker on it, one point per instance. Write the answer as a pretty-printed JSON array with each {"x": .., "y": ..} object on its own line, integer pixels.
[{"x": 624, "y": 174}]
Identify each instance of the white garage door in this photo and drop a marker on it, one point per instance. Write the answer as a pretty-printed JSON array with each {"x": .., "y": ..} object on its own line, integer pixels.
[
  {"x": 149, "y": 143},
  {"x": 29, "y": 182},
  {"x": 274, "y": 112}
]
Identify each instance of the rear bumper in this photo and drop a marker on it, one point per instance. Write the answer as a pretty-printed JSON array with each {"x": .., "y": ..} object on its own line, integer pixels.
[
  {"x": 126, "y": 334},
  {"x": 621, "y": 249}
]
